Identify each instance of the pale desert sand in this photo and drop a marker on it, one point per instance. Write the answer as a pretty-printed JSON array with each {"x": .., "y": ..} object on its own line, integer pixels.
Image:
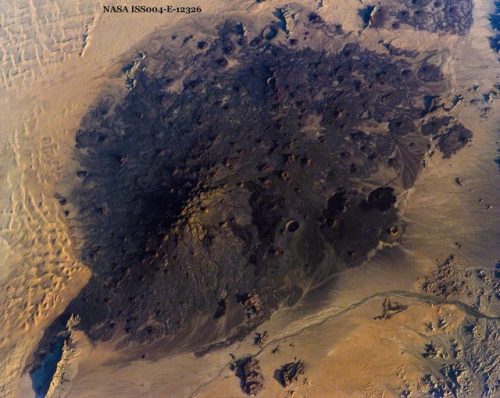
[{"x": 57, "y": 55}]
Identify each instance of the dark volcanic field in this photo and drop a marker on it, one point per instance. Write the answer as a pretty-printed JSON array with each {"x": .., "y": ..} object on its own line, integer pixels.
[
  {"x": 239, "y": 172},
  {"x": 437, "y": 16}
]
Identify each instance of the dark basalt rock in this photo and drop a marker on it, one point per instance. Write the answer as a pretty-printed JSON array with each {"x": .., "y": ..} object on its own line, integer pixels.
[
  {"x": 270, "y": 32},
  {"x": 495, "y": 25},
  {"x": 453, "y": 139},
  {"x": 379, "y": 18},
  {"x": 314, "y": 18},
  {"x": 390, "y": 308},
  {"x": 289, "y": 372},
  {"x": 183, "y": 213},
  {"x": 351, "y": 239},
  {"x": 41, "y": 375},
  {"x": 438, "y": 16},
  {"x": 365, "y": 14},
  {"x": 381, "y": 199},
  {"x": 251, "y": 303},
  {"x": 429, "y": 73},
  {"x": 401, "y": 125},
  {"x": 247, "y": 369},
  {"x": 335, "y": 206},
  {"x": 260, "y": 338},
  {"x": 221, "y": 309},
  {"x": 396, "y": 51},
  {"x": 435, "y": 125}
]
